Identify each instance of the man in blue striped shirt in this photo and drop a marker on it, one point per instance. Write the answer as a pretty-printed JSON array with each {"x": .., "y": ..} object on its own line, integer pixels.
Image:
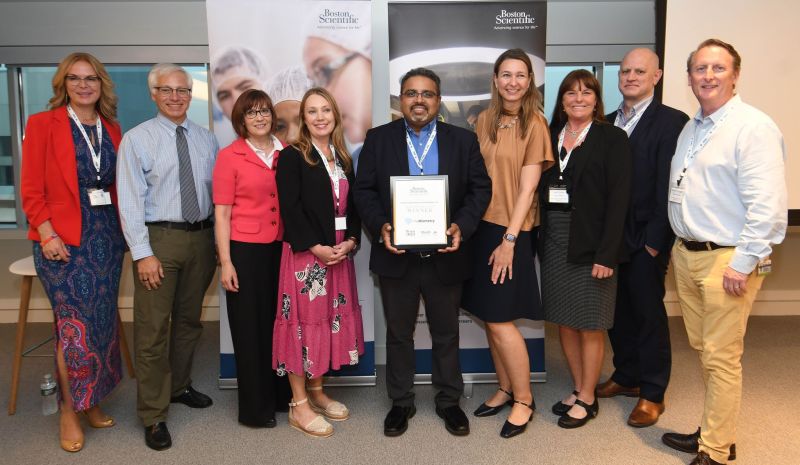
[{"x": 164, "y": 188}]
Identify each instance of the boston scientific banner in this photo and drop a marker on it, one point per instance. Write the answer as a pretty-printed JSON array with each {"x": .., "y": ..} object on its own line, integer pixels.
[
  {"x": 460, "y": 42},
  {"x": 285, "y": 48}
]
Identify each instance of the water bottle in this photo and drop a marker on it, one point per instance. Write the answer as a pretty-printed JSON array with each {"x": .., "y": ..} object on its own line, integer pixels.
[{"x": 49, "y": 397}]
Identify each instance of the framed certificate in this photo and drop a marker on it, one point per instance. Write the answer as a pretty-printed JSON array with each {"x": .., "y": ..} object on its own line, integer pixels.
[{"x": 420, "y": 214}]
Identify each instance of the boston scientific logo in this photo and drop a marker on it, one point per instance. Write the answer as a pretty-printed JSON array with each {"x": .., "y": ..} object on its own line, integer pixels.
[
  {"x": 514, "y": 20},
  {"x": 329, "y": 16}
]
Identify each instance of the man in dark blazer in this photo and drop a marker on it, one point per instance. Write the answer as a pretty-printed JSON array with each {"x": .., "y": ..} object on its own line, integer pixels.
[
  {"x": 640, "y": 336},
  {"x": 415, "y": 145}
]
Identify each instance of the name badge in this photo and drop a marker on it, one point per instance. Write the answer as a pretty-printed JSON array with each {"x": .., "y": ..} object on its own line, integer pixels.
[
  {"x": 99, "y": 197},
  {"x": 765, "y": 267},
  {"x": 676, "y": 194},
  {"x": 341, "y": 223},
  {"x": 558, "y": 194}
]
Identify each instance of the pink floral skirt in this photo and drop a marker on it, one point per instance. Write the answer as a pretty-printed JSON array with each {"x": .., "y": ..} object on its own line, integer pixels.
[{"x": 318, "y": 324}]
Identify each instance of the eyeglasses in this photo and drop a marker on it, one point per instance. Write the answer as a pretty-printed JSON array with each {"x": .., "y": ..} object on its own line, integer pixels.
[
  {"x": 252, "y": 114},
  {"x": 166, "y": 91},
  {"x": 74, "y": 80},
  {"x": 413, "y": 93},
  {"x": 322, "y": 75}
]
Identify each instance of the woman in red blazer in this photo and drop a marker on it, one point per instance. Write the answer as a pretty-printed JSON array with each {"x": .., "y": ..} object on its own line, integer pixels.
[
  {"x": 68, "y": 172},
  {"x": 248, "y": 230}
]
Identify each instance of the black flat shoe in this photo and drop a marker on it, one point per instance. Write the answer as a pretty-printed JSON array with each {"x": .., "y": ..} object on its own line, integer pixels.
[
  {"x": 487, "y": 411},
  {"x": 192, "y": 398},
  {"x": 157, "y": 436},
  {"x": 569, "y": 422},
  {"x": 455, "y": 421},
  {"x": 690, "y": 443},
  {"x": 560, "y": 408},
  {"x": 510, "y": 430},
  {"x": 396, "y": 422}
]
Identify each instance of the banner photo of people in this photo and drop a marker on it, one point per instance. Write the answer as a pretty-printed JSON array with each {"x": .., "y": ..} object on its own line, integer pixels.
[
  {"x": 286, "y": 48},
  {"x": 463, "y": 57}
]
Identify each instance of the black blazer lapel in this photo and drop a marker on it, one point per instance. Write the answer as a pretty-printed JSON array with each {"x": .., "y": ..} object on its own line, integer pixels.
[
  {"x": 444, "y": 145},
  {"x": 584, "y": 151},
  {"x": 646, "y": 121}
]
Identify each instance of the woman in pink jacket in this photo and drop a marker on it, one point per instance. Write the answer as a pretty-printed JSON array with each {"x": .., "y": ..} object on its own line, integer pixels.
[{"x": 249, "y": 231}]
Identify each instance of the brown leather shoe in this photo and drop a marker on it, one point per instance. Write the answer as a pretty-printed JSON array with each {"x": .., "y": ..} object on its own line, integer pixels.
[
  {"x": 612, "y": 389},
  {"x": 703, "y": 459},
  {"x": 645, "y": 413}
]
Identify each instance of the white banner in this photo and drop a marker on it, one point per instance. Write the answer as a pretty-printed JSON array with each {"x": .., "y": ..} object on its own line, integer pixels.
[{"x": 285, "y": 48}]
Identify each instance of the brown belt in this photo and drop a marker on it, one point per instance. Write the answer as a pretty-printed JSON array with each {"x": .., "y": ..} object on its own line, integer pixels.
[{"x": 702, "y": 246}]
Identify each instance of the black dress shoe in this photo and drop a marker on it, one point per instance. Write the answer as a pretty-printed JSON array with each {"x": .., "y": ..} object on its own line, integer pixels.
[
  {"x": 569, "y": 422},
  {"x": 396, "y": 422},
  {"x": 689, "y": 443},
  {"x": 268, "y": 423},
  {"x": 484, "y": 410},
  {"x": 157, "y": 436},
  {"x": 703, "y": 459},
  {"x": 510, "y": 430},
  {"x": 192, "y": 398},
  {"x": 455, "y": 420},
  {"x": 560, "y": 408}
]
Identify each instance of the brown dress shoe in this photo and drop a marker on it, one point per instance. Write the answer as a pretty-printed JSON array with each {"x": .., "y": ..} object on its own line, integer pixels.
[
  {"x": 612, "y": 389},
  {"x": 703, "y": 459},
  {"x": 645, "y": 413}
]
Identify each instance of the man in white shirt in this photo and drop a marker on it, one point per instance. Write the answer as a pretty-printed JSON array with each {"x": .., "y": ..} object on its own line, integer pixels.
[{"x": 728, "y": 207}]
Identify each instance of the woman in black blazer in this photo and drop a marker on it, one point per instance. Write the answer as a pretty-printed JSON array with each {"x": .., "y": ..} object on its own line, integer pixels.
[
  {"x": 318, "y": 323},
  {"x": 585, "y": 200}
]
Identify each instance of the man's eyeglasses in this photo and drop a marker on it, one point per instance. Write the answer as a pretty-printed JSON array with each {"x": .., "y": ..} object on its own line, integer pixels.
[
  {"x": 88, "y": 80},
  {"x": 166, "y": 91},
  {"x": 252, "y": 114},
  {"x": 413, "y": 93},
  {"x": 322, "y": 75}
]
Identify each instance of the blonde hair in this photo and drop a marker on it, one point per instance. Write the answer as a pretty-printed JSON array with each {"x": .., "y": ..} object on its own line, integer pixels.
[
  {"x": 531, "y": 101},
  {"x": 106, "y": 106},
  {"x": 304, "y": 143}
]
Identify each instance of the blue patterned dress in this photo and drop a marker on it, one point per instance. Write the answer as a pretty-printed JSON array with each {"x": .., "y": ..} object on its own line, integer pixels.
[{"x": 83, "y": 292}]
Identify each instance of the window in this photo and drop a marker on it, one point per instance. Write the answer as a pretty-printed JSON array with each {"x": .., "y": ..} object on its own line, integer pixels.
[
  {"x": 130, "y": 84},
  {"x": 611, "y": 95},
  {"x": 7, "y": 198}
]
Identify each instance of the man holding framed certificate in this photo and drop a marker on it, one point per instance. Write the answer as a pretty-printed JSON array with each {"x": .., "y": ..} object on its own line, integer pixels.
[{"x": 421, "y": 189}]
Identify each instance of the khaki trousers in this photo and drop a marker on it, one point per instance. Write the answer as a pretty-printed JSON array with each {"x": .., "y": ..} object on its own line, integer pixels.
[
  {"x": 715, "y": 323},
  {"x": 164, "y": 351}
]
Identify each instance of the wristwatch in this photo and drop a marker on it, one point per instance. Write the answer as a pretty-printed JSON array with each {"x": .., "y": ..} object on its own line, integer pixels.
[{"x": 510, "y": 237}]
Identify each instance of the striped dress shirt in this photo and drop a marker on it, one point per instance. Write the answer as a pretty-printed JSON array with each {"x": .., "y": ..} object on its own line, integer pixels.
[{"x": 148, "y": 184}]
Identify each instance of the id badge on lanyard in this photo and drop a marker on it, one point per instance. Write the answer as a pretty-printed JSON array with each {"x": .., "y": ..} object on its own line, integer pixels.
[{"x": 97, "y": 196}]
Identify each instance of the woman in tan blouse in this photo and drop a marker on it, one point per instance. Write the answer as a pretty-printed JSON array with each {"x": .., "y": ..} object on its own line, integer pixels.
[{"x": 515, "y": 144}]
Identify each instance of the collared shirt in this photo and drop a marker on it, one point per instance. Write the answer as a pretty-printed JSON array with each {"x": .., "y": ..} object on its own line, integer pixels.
[
  {"x": 622, "y": 119},
  {"x": 266, "y": 158},
  {"x": 734, "y": 192},
  {"x": 431, "y": 162},
  {"x": 148, "y": 183}
]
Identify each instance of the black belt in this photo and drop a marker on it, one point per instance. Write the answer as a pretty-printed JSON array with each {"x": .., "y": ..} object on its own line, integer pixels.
[
  {"x": 702, "y": 246},
  {"x": 200, "y": 225}
]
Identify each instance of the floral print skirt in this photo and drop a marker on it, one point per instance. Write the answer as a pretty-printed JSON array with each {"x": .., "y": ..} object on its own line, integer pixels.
[{"x": 318, "y": 323}]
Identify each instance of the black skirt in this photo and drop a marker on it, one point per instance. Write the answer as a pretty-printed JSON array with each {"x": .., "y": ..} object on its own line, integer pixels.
[{"x": 514, "y": 299}]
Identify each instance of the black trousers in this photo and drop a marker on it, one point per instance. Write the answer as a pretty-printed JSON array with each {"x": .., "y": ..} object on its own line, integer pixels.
[
  {"x": 251, "y": 314},
  {"x": 400, "y": 298},
  {"x": 640, "y": 336}
]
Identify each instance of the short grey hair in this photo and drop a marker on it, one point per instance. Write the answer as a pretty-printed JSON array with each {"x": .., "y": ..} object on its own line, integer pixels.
[{"x": 163, "y": 69}]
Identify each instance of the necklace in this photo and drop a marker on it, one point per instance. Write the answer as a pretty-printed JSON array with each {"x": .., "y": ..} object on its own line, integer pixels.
[
  {"x": 510, "y": 124},
  {"x": 570, "y": 132}
]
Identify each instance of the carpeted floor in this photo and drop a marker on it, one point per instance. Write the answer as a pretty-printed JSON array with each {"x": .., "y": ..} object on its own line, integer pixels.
[{"x": 769, "y": 429}]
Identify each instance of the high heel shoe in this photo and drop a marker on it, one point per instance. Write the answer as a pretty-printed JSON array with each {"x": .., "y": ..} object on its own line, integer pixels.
[
  {"x": 569, "y": 422},
  {"x": 560, "y": 408},
  {"x": 510, "y": 430},
  {"x": 70, "y": 445},
  {"x": 484, "y": 410},
  {"x": 107, "y": 423}
]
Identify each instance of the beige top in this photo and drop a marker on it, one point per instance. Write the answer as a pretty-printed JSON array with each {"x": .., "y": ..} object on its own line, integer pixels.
[{"x": 504, "y": 162}]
